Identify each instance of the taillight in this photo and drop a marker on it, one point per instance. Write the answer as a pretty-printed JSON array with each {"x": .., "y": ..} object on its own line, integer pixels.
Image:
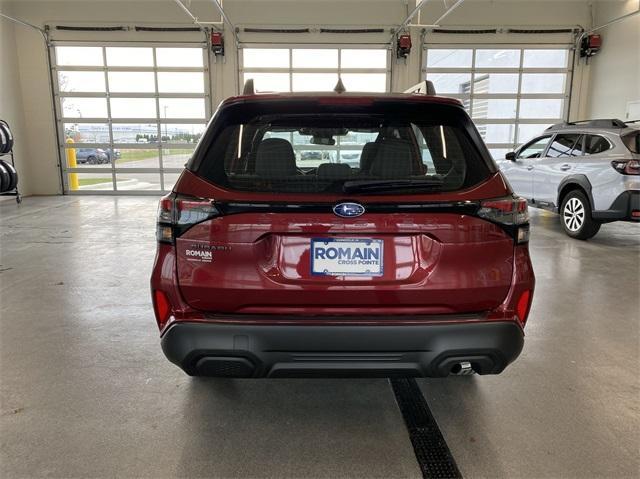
[
  {"x": 523, "y": 305},
  {"x": 162, "y": 307},
  {"x": 177, "y": 213},
  {"x": 510, "y": 212},
  {"x": 626, "y": 167}
]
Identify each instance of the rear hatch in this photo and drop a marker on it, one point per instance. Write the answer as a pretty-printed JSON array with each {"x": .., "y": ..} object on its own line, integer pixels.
[{"x": 359, "y": 207}]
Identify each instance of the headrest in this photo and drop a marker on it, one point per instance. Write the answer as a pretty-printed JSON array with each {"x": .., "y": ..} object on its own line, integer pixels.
[
  {"x": 393, "y": 159},
  {"x": 275, "y": 159},
  {"x": 333, "y": 170},
  {"x": 367, "y": 156}
]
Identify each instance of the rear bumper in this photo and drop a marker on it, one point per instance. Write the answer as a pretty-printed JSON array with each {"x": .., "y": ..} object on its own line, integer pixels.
[
  {"x": 621, "y": 208},
  {"x": 430, "y": 350}
]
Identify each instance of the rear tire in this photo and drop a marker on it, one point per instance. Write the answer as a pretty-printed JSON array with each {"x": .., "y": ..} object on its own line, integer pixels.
[{"x": 575, "y": 216}]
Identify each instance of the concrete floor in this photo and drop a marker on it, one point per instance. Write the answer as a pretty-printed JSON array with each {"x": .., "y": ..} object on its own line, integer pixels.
[{"x": 86, "y": 392}]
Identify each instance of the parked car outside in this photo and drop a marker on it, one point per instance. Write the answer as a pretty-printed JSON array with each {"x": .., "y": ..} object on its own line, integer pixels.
[
  {"x": 113, "y": 155},
  {"x": 392, "y": 268},
  {"x": 589, "y": 172},
  {"x": 91, "y": 156}
]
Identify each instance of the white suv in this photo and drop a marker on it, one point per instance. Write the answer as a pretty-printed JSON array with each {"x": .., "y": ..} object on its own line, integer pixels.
[{"x": 588, "y": 171}]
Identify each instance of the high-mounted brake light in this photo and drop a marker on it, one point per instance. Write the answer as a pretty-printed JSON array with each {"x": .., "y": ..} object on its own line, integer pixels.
[
  {"x": 626, "y": 167},
  {"x": 511, "y": 212},
  {"x": 177, "y": 213}
]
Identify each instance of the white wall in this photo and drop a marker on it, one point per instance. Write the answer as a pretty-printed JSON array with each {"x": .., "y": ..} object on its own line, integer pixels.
[
  {"x": 11, "y": 108},
  {"x": 615, "y": 70},
  {"x": 40, "y": 136}
]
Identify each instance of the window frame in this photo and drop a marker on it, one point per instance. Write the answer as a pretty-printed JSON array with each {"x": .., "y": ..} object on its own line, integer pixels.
[
  {"x": 112, "y": 169},
  {"x": 584, "y": 147},
  {"x": 526, "y": 145},
  {"x": 290, "y": 70},
  {"x": 520, "y": 70},
  {"x": 581, "y": 140}
]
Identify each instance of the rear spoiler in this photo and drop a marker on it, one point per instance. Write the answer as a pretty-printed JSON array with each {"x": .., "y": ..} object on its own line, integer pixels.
[{"x": 424, "y": 87}]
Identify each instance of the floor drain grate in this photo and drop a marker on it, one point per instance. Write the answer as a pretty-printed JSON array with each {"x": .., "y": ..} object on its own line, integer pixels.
[{"x": 433, "y": 455}]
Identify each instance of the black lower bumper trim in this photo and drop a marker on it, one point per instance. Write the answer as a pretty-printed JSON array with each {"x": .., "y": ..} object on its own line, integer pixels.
[
  {"x": 341, "y": 351},
  {"x": 620, "y": 209}
]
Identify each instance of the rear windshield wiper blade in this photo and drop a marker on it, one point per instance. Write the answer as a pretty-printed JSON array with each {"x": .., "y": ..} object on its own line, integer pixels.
[{"x": 389, "y": 185}]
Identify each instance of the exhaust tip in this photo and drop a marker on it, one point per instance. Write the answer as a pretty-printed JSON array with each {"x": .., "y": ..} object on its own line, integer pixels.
[{"x": 463, "y": 368}]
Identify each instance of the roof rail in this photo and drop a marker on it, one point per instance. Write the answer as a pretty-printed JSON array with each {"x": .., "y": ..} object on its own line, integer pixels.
[
  {"x": 596, "y": 123},
  {"x": 425, "y": 87}
]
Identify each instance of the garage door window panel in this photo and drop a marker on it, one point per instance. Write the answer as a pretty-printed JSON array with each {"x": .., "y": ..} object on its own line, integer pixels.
[
  {"x": 182, "y": 133},
  {"x": 143, "y": 103},
  {"x": 363, "y": 58},
  {"x": 524, "y": 87},
  {"x": 315, "y": 68},
  {"x": 81, "y": 81},
  {"x": 497, "y": 58},
  {"x": 129, "y": 57},
  {"x": 176, "y": 157},
  {"x": 182, "y": 108},
  {"x": 136, "y": 133},
  {"x": 314, "y": 81},
  {"x": 135, "y": 181},
  {"x": 180, "y": 82},
  {"x": 138, "y": 158},
  {"x": 529, "y": 130},
  {"x": 98, "y": 181},
  {"x": 133, "y": 108},
  {"x": 373, "y": 82},
  {"x": 131, "y": 82},
  {"x": 495, "y": 83},
  {"x": 314, "y": 58},
  {"x": 87, "y": 132},
  {"x": 87, "y": 157},
  {"x": 79, "y": 56},
  {"x": 82, "y": 107}
]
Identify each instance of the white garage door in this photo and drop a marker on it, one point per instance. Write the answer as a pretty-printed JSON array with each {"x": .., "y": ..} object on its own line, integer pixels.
[
  {"x": 511, "y": 92},
  {"x": 132, "y": 113},
  {"x": 317, "y": 68}
]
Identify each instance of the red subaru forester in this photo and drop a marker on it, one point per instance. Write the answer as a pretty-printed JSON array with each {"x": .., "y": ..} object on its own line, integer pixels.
[{"x": 343, "y": 235}]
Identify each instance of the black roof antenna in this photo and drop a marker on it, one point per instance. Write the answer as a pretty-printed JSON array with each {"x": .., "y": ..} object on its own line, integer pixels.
[
  {"x": 248, "y": 87},
  {"x": 339, "y": 88},
  {"x": 425, "y": 87}
]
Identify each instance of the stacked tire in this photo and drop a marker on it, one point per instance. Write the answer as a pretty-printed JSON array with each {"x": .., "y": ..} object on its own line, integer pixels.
[{"x": 8, "y": 174}]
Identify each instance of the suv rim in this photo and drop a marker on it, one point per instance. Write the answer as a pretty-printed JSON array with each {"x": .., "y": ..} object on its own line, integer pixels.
[{"x": 574, "y": 214}]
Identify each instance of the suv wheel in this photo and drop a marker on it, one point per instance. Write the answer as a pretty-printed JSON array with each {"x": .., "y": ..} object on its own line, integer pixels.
[
  {"x": 92, "y": 160},
  {"x": 576, "y": 216}
]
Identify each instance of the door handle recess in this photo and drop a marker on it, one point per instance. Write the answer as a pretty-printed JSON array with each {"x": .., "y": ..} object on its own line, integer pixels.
[
  {"x": 529, "y": 167},
  {"x": 565, "y": 167}
]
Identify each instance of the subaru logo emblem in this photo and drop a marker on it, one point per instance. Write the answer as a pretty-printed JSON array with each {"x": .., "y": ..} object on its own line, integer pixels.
[{"x": 348, "y": 210}]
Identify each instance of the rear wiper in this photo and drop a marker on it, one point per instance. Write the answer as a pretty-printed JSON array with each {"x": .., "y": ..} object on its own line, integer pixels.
[{"x": 389, "y": 185}]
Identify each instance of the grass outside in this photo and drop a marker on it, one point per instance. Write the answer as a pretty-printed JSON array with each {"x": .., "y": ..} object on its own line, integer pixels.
[
  {"x": 137, "y": 155},
  {"x": 93, "y": 181}
]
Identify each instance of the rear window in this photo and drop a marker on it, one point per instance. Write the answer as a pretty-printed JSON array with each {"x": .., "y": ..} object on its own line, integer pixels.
[
  {"x": 346, "y": 152},
  {"x": 596, "y": 144},
  {"x": 632, "y": 141},
  {"x": 565, "y": 145}
]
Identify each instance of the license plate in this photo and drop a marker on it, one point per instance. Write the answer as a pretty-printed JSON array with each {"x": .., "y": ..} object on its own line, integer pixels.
[{"x": 346, "y": 257}]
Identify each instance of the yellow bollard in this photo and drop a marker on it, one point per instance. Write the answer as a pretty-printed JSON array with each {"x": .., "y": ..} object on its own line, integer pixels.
[{"x": 71, "y": 163}]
